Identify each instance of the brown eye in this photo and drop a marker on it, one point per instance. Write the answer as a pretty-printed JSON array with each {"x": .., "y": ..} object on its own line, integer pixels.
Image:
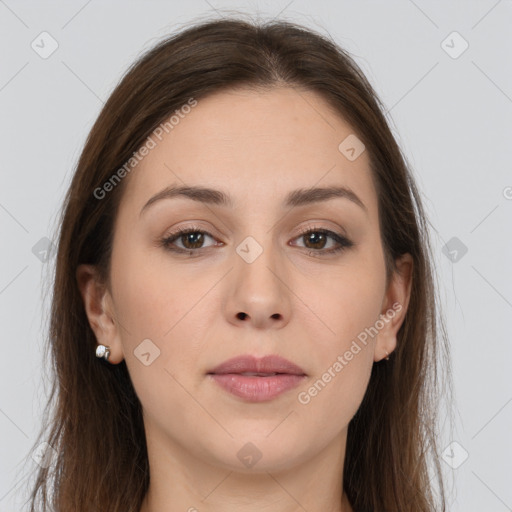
[
  {"x": 192, "y": 240},
  {"x": 316, "y": 239}
]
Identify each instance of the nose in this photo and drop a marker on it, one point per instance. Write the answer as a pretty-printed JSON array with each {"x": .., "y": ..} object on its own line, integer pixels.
[{"x": 258, "y": 293}]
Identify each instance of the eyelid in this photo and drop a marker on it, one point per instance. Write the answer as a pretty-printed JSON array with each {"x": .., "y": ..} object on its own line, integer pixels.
[
  {"x": 320, "y": 226},
  {"x": 180, "y": 231},
  {"x": 302, "y": 231}
]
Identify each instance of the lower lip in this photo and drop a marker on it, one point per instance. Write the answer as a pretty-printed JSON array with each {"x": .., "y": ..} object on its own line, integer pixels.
[{"x": 257, "y": 389}]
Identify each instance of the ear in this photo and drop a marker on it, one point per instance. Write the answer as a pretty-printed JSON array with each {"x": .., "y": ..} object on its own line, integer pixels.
[
  {"x": 99, "y": 310},
  {"x": 394, "y": 306}
]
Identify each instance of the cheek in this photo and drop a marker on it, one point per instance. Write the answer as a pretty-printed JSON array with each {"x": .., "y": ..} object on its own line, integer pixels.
[
  {"x": 348, "y": 305},
  {"x": 348, "y": 300},
  {"x": 343, "y": 362},
  {"x": 152, "y": 296},
  {"x": 155, "y": 301}
]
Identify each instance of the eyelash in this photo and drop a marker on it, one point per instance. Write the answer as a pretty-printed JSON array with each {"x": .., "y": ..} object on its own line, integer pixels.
[{"x": 344, "y": 243}]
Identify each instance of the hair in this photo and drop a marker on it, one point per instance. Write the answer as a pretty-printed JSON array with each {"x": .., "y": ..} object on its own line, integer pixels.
[{"x": 94, "y": 417}]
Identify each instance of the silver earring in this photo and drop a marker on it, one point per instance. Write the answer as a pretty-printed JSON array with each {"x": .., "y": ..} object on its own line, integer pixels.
[
  {"x": 387, "y": 354},
  {"x": 103, "y": 352}
]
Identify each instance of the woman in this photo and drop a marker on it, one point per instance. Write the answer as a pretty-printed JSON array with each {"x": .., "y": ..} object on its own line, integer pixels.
[{"x": 244, "y": 309}]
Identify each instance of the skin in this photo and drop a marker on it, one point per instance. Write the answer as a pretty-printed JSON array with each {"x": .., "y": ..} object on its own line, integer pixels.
[{"x": 256, "y": 146}]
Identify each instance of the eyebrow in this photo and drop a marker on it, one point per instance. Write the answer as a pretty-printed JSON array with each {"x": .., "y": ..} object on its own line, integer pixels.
[{"x": 295, "y": 198}]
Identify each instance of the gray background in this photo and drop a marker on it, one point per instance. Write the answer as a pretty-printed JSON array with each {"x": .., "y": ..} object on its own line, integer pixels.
[{"x": 451, "y": 115}]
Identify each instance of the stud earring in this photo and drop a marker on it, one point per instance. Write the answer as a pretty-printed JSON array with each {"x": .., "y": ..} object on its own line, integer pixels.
[
  {"x": 103, "y": 352},
  {"x": 387, "y": 354}
]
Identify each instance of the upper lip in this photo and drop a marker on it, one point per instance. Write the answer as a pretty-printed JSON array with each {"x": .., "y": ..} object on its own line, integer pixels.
[{"x": 266, "y": 364}]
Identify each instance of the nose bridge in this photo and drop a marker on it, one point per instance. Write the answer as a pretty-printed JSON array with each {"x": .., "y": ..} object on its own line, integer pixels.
[{"x": 258, "y": 258}]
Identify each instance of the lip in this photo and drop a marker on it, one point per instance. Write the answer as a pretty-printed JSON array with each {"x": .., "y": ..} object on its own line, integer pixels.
[
  {"x": 267, "y": 364},
  {"x": 255, "y": 388}
]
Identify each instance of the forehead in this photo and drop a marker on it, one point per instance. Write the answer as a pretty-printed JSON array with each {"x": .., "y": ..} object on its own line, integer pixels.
[{"x": 255, "y": 145}]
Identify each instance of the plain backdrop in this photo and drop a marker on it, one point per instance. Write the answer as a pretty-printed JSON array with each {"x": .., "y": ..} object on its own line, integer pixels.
[{"x": 443, "y": 71}]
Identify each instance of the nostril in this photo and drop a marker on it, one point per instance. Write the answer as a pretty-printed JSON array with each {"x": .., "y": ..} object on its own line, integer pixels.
[{"x": 242, "y": 316}]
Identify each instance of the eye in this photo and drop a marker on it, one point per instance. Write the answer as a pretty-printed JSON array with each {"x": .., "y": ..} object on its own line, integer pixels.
[
  {"x": 316, "y": 238},
  {"x": 192, "y": 239}
]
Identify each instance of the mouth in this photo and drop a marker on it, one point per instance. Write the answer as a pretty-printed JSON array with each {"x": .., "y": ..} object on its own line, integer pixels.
[{"x": 257, "y": 380}]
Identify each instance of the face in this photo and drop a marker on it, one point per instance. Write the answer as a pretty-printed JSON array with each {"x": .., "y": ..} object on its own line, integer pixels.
[{"x": 247, "y": 280}]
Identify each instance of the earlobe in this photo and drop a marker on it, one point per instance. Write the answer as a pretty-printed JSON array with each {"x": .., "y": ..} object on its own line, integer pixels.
[
  {"x": 95, "y": 297},
  {"x": 394, "y": 307}
]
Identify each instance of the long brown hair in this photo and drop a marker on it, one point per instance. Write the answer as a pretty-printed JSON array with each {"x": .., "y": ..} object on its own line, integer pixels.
[{"x": 95, "y": 421}]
